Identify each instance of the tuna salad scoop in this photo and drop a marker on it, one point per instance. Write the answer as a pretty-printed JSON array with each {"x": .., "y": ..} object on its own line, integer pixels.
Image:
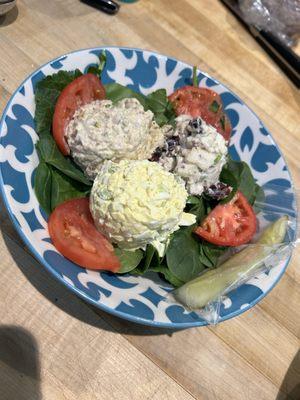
[
  {"x": 195, "y": 152},
  {"x": 102, "y": 131},
  {"x": 135, "y": 203}
]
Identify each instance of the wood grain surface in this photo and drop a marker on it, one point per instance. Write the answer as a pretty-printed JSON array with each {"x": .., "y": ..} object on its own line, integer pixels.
[{"x": 53, "y": 346}]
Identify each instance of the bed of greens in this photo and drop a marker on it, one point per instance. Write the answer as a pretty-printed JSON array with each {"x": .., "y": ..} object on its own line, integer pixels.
[{"x": 58, "y": 178}]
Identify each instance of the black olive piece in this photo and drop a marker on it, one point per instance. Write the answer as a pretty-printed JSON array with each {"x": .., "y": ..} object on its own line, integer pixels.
[
  {"x": 172, "y": 142},
  {"x": 195, "y": 123}
]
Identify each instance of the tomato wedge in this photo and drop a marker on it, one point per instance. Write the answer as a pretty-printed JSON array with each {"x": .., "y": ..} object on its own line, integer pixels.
[
  {"x": 230, "y": 224},
  {"x": 204, "y": 103},
  {"x": 81, "y": 91},
  {"x": 73, "y": 233}
]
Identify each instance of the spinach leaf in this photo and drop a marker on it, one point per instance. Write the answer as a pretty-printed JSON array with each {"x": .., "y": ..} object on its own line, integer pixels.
[
  {"x": 210, "y": 253},
  {"x": 230, "y": 179},
  {"x": 161, "y": 119},
  {"x": 49, "y": 153},
  {"x": 47, "y": 92},
  {"x": 199, "y": 210},
  {"x": 64, "y": 188},
  {"x": 193, "y": 199},
  {"x": 247, "y": 183},
  {"x": 59, "y": 80},
  {"x": 238, "y": 175},
  {"x": 198, "y": 206},
  {"x": 151, "y": 257},
  {"x": 129, "y": 259},
  {"x": 98, "y": 69},
  {"x": 157, "y": 101},
  {"x": 161, "y": 107},
  {"x": 116, "y": 92},
  {"x": 164, "y": 270},
  {"x": 42, "y": 185},
  {"x": 183, "y": 255},
  {"x": 151, "y": 260}
]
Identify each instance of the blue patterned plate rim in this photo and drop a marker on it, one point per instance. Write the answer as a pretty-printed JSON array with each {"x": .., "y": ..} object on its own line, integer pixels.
[{"x": 78, "y": 292}]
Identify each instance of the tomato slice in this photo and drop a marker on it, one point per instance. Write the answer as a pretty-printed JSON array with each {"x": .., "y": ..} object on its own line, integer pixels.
[
  {"x": 81, "y": 91},
  {"x": 230, "y": 224},
  {"x": 204, "y": 103},
  {"x": 73, "y": 233}
]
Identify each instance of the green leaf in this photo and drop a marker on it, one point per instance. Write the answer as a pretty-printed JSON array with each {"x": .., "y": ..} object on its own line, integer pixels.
[
  {"x": 129, "y": 259},
  {"x": 151, "y": 260},
  {"x": 48, "y": 151},
  {"x": 64, "y": 188},
  {"x": 163, "y": 269},
  {"x": 58, "y": 81},
  {"x": 151, "y": 257},
  {"x": 214, "y": 107},
  {"x": 157, "y": 101},
  {"x": 196, "y": 205},
  {"x": 42, "y": 186},
  {"x": 45, "y": 103},
  {"x": 102, "y": 62},
  {"x": 47, "y": 92},
  {"x": 93, "y": 69},
  {"x": 230, "y": 179},
  {"x": 183, "y": 255},
  {"x": 193, "y": 200},
  {"x": 195, "y": 78},
  {"x": 170, "y": 114},
  {"x": 210, "y": 253},
  {"x": 161, "y": 119},
  {"x": 199, "y": 210},
  {"x": 98, "y": 69},
  {"x": 162, "y": 109},
  {"x": 238, "y": 175},
  {"x": 116, "y": 92},
  {"x": 245, "y": 178}
]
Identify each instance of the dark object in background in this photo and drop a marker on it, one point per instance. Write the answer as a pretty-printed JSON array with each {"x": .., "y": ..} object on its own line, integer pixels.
[
  {"x": 6, "y": 6},
  {"x": 280, "y": 17},
  {"x": 286, "y": 58},
  {"x": 107, "y": 6}
]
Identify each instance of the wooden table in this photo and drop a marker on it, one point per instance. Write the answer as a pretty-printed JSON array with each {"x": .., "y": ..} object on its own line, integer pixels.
[{"x": 53, "y": 346}]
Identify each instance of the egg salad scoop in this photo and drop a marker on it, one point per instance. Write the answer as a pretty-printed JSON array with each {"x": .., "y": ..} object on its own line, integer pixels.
[{"x": 137, "y": 202}]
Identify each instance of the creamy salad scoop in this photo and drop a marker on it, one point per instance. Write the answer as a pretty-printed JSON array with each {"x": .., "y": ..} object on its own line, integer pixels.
[
  {"x": 135, "y": 203},
  {"x": 195, "y": 152},
  {"x": 102, "y": 131}
]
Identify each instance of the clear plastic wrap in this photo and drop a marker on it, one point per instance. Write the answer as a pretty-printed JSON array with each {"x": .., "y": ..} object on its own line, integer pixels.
[
  {"x": 278, "y": 233},
  {"x": 280, "y": 17}
]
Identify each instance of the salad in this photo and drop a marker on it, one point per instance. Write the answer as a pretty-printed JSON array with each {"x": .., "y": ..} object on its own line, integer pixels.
[{"x": 136, "y": 183}]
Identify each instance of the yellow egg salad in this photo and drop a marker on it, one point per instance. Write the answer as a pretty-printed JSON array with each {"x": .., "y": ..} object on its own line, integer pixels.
[{"x": 137, "y": 202}]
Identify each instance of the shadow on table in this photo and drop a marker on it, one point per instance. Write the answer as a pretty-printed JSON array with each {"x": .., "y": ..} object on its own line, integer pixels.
[
  {"x": 19, "y": 364},
  {"x": 59, "y": 295},
  {"x": 9, "y": 17},
  {"x": 291, "y": 382}
]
